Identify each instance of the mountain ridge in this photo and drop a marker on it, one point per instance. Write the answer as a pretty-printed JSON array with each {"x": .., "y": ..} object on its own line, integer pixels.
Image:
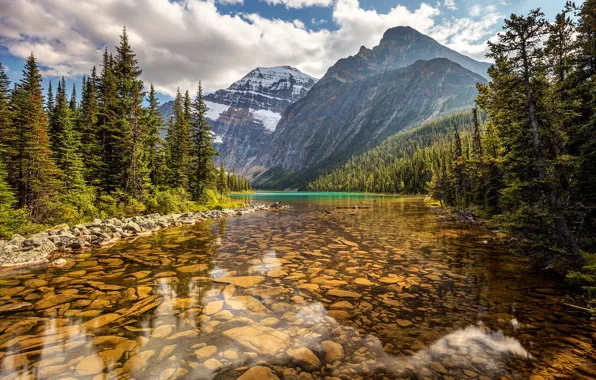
[
  {"x": 339, "y": 119},
  {"x": 244, "y": 115}
]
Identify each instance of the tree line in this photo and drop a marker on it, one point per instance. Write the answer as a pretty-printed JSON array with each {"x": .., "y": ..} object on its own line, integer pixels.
[
  {"x": 65, "y": 160},
  {"x": 402, "y": 164},
  {"x": 531, "y": 165}
]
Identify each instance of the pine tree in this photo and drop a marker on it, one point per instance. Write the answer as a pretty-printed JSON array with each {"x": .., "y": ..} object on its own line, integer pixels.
[
  {"x": 10, "y": 219},
  {"x": 37, "y": 178},
  {"x": 88, "y": 125},
  {"x": 154, "y": 144},
  {"x": 132, "y": 159},
  {"x": 178, "y": 145},
  {"x": 54, "y": 127},
  {"x": 222, "y": 184},
  {"x": 67, "y": 143},
  {"x": 532, "y": 181},
  {"x": 7, "y": 132},
  {"x": 203, "y": 170},
  {"x": 109, "y": 134},
  {"x": 582, "y": 80},
  {"x": 476, "y": 138},
  {"x": 73, "y": 101},
  {"x": 50, "y": 101}
]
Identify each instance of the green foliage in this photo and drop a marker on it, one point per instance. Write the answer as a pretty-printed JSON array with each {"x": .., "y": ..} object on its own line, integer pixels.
[
  {"x": 203, "y": 175},
  {"x": 532, "y": 165},
  {"x": 237, "y": 183},
  {"x": 70, "y": 163},
  {"x": 402, "y": 164},
  {"x": 586, "y": 278}
]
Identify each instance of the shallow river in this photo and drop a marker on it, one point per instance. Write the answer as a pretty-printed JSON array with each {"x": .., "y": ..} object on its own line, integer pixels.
[{"x": 396, "y": 290}]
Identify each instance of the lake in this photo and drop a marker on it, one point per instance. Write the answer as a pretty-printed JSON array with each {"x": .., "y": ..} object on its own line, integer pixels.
[{"x": 390, "y": 289}]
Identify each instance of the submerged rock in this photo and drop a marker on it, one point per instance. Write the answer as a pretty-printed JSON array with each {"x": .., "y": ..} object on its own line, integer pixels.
[
  {"x": 258, "y": 373},
  {"x": 305, "y": 358}
]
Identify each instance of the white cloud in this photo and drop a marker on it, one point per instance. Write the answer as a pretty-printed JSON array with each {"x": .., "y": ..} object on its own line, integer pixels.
[
  {"x": 466, "y": 35},
  {"x": 479, "y": 10},
  {"x": 179, "y": 43},
  {"x": 301, "y": 3},
  {"x": 231, "y": 1},
  {"x": 450, "y": 4},
  {"x": 318, "y": 22}
]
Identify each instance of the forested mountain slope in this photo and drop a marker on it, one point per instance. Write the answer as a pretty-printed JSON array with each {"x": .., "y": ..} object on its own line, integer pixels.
[
  {"x": 402, "y": 164},
  {"x": 407, "y": 79}
]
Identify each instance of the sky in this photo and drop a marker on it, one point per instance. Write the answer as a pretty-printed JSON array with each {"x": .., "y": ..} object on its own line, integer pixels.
[{"x": 179, "y": 42}]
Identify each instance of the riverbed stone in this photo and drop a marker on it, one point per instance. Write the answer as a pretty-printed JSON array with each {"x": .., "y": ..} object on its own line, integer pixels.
[
  {"x": 343, "y": 293},
  {"x": 242, "y": 281},
  {"x": 138, "y": 362},
  {"x": 213, "y": 365},
  {"x": 213, "y": 307},
  {"x": 333, "y": 351},
  {"x": 258, "y": 373},
  {"x": 305, "y": 358},
  {"x": 206, "y": 352},
  {"x": 261, "y": 339},
  {"x": 90, "y": 365}
]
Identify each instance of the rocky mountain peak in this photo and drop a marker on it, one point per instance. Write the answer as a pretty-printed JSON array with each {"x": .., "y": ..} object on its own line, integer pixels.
[
  {"x": 400, "y": 46},
  {"x": 284, "y": 82},
  {"x": 401, "y": 33}
]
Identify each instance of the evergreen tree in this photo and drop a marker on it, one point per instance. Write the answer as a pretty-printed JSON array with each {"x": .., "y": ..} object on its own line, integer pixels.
[
  {"x": 178, "y": 143},
  {"x": 7, "y": 133},
  {"x": 36, "y": 178},
  {"x": 222, "y": 184},
  {"x": 9, "y": 217},
  {"x": 73, "y": 101},
  {"x": 88, "y": 125},
  {"x": 582, "y": 79},
  {"x": 50, "y": 101},
  {"x": 132, "y": 159},
  {"x": 109, "y": 135},
  {"x": 203, "y": 170},
  {"x": 518, "y": 56},
  {"x": 67, "y": 143},
  {"x": 154, "y": 145}
]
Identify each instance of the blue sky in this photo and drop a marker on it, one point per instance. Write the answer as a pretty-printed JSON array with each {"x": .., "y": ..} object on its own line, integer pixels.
[{"x": 179, "y": 42}]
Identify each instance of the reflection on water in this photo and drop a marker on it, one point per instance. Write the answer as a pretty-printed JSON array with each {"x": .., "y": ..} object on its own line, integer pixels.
[{"x": 390, "y": 289}]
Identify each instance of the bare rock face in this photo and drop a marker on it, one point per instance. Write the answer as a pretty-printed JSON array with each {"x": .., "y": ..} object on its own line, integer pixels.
[
  {"x": 244, "y": 115},
  {"x": 407, "y": 79}
]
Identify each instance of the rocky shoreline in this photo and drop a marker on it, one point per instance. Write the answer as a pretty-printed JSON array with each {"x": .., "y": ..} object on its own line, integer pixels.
[{"x": 42, "y": 247}]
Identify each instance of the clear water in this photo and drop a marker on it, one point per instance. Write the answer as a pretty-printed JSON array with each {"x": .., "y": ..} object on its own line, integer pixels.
[{"x": 391, "y": 289}]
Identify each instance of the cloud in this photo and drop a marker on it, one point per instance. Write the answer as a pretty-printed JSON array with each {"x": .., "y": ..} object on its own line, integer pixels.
[
  {"x": 301, "y": 3},
  {"x": 467, "y": 36},
  {"x": 179, "y": 43},
  {"x": 450, "y": 4},
  {"x": 479, "y": 10}
]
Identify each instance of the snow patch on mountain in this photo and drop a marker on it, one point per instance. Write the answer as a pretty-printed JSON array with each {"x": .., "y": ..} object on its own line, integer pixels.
[
  {"x": 268, "y": 118},
  {"x": 214, "y": 110}
]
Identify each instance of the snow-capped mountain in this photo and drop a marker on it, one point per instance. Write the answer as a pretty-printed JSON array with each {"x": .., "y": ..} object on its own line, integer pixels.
[{"x": 245, "y": 115}]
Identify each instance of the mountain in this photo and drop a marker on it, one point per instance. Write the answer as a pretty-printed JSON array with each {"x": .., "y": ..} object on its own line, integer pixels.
[
  {"x": 402, "y": 164},
  {"x": 406, "y": 80},
  {"x": 244, "y": 115}
]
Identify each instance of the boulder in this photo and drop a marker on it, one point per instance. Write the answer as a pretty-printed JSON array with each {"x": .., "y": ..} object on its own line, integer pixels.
[
  {"x": 258, "y": 373},
  {"x": 333, "y": 351},
  {"x": 133, "y": 227},
  {"x": 305, "y": 358}
]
